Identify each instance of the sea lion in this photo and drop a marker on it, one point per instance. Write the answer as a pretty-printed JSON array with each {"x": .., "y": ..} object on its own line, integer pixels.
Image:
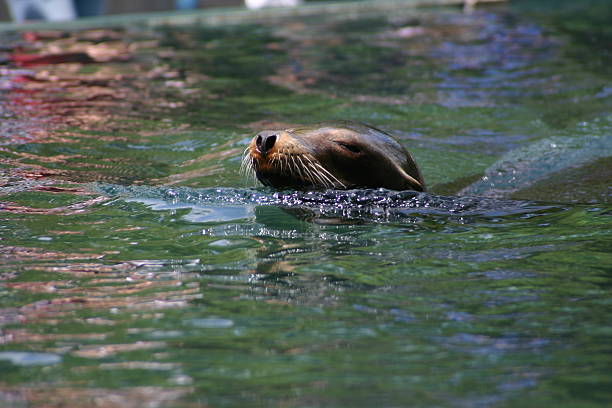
[{"x": 335, "y": 155}]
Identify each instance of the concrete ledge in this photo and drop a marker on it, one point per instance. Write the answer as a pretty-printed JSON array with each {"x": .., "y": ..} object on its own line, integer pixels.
[{"x": 226, "y": 16}]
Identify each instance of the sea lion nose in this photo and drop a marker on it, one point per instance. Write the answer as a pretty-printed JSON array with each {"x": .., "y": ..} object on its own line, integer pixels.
[{"x": 265, "y": 142}]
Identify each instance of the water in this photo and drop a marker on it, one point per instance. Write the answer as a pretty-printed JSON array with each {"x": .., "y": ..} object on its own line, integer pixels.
[{"x": 140, "y": 269}]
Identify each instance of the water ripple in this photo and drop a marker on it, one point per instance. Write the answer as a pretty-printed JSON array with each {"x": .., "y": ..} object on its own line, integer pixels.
[{"x": 375, "y": 205}]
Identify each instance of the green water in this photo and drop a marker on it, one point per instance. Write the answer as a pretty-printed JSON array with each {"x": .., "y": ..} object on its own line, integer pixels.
[{"x": 138, "y": 268}]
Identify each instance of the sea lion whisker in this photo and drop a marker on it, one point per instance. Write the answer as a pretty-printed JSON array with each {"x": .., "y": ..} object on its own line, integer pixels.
[
  {"x": 247, "y": 169},
  {"x": 300, "y": 166},
  {"x": 278, "y": 159},
  {"x": 304, "y": 168},
  {"x": 284, "y": 164},
  {"x": 309, "y": 170},
  {"x": 329, "y": 182},
  {"x": 297, "y": 168},
  {"x": 333, "y": 178},
  {"x": 246, "y": 159},
  {"x": 243, "y": 163},
  {"x": 310, "y": 167},
  {"x": 319, "y": 176},
  {"x": 290, "y": 165}
]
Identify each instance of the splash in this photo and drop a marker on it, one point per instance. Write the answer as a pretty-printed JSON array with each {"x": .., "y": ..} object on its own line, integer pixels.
[{"x": 372, "y": 205}]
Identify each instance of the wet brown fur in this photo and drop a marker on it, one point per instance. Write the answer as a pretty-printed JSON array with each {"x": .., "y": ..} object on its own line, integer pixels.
[{"x": 337, "y": 155}]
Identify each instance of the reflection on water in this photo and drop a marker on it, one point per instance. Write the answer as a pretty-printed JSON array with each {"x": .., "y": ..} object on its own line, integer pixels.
[
  {"x": 199, "y": 213},
  {"x": 139, "y": 269},
  {"x": 28, "y": 359}
]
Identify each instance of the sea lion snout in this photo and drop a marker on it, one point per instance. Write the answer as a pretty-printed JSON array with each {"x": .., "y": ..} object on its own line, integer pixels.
[{"x": 264, "y": 141}]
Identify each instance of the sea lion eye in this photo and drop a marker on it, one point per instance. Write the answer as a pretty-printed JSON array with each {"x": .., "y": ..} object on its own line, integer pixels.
[{"x": 351, "y": 148}]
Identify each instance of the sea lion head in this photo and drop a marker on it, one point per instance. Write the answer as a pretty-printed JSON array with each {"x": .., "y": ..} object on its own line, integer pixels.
[{"x": 336, "y": 155}]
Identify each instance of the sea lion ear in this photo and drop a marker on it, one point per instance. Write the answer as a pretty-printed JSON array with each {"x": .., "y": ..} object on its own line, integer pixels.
[{"x": 414, "y": 183}]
